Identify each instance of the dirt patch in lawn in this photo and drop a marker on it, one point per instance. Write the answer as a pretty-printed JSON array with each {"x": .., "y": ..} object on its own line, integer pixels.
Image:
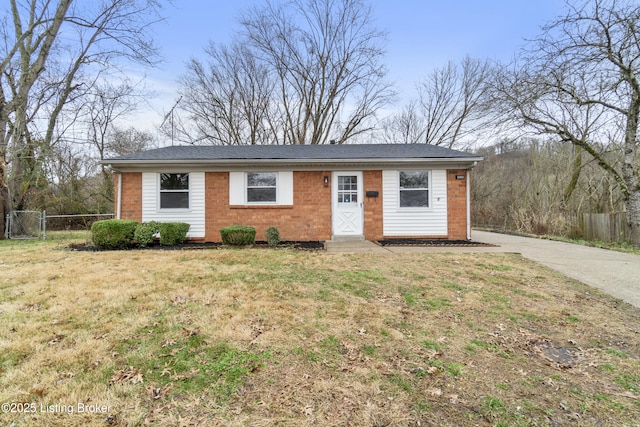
[{"x": 286, "y": 337}]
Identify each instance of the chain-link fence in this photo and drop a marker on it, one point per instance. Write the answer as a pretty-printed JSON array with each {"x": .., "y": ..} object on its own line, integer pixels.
[
  {"x": 73, "y": 222},
  {"x": 25, "y": 225},
  {"x": 35, "y": 224}
]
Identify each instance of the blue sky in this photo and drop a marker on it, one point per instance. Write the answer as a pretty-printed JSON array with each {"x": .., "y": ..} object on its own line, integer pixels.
[{"x": 422, "y": 35}]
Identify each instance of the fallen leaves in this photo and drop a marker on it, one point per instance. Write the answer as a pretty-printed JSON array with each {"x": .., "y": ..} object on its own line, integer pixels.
[
  {"x": 122, "y": 376},
  {"x": 56, "y": 339}
]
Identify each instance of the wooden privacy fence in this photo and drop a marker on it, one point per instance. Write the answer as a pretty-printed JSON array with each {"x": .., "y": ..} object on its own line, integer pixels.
[{"x": 604, "y": 227}]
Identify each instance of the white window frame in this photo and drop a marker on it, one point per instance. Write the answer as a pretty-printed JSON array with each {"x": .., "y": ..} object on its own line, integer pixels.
[
  {"x": 247, "y": 187},
  {"x": 428, "y": 189},
  {"x": 161, "y": 191}
]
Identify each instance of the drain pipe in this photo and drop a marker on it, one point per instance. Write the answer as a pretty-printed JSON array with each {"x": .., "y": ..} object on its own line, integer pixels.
[
  {"x": 119, "y": 202},
  {"x": 468, "y": 204}
]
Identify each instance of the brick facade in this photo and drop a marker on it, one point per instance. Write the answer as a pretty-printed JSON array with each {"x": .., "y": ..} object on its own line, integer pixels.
[
  {"x": 308, "y": 219},
  {"x": 131, "y": 207},
  {"x": 373, "y": 205},
  {"x": 310, "y": 216},
  {"x": 457, "y": 204}
]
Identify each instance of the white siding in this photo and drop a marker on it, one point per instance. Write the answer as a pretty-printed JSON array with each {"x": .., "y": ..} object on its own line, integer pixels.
[
  {"x": 430, "y": 221},
  {"x": 238, "y": 193},
  {"x": 285, "y": 188},
  {"x": 236, "y": 188},
  {"x": 193, "y": 216}
]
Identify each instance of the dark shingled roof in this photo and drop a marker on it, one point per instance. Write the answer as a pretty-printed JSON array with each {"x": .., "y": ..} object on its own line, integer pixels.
[{"x": 294, "y": 153}]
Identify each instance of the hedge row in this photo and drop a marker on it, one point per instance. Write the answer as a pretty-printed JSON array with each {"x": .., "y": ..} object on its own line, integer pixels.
[{"x": 124, "y": 234}]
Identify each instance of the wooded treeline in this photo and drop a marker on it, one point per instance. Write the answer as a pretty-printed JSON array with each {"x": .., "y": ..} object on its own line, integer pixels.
[
  {"x": 529, "y": 186},
  {"x": 311, "y": 72},
  {"x": 63, "y": 84}
]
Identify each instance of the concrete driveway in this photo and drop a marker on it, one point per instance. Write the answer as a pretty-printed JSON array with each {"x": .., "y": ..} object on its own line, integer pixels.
[{"x": 616, "y": 273}]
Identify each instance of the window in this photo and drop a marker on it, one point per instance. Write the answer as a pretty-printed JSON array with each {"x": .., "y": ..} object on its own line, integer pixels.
[
  {"x": 347, "y": 189},
  {"x": 261, "y": 187},
  {"x": 174, "y": 191},
  {"x": 414, "y": 189}
]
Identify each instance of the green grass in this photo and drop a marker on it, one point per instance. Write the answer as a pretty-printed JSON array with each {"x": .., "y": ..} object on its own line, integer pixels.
[
  {"x": 283, "y": 337},
  {"x": 192, "y": 365},
  {"x": 628, "y": 382},
  {"x": 614, "y": 246},
  {"x": 617, "y": 353},
  {"x": 432, "y": 345}
]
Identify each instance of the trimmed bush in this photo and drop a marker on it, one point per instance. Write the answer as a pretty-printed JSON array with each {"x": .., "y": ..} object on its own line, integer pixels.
[
  {"x": 273, "y": 236},
  {"x": 173, "y": 233},
  {"x": 238, "y": 235},
  {"x": 113, "y": 233},
  {"x": 144, "y": 233}
]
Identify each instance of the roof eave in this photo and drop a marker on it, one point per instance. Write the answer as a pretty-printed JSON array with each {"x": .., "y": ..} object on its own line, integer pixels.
[{"x": 276, "y": 162}]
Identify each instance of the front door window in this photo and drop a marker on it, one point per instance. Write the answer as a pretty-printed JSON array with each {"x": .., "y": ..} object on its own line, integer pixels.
[{"x": 347, "y": 189}]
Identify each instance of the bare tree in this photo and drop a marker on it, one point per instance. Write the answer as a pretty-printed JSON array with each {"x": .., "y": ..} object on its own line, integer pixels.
[
  {"x": 129, "y": 140},
  {"x": 299, "y": 72},
  {"x": 41, "y": 72},
  {"x": 228, "y": 99},
  {"x": 579, "y": 81},
  {"x": 103, "y": 105},
  {"x": 100, "y": 108},
  {"x": 453, "y": 100},
  {"x": 405, "y": 127},
  {"x": 451, "y": 107}
]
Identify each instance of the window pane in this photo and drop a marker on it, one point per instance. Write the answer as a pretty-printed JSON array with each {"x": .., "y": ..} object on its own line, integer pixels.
[
  {"x": 347, "y": 196},
  {"x": 174, "y": 181},
  {"x": 174, "y": 200},
  {"x": 261, "y": 179},
  {"x": 414, "y": 179},
  {"x": 261, "y": 194},
  {"x": 414, "y": 198}
]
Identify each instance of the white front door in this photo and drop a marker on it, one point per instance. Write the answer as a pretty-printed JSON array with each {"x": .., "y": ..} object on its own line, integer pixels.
[{"x": 347, "y": 204}]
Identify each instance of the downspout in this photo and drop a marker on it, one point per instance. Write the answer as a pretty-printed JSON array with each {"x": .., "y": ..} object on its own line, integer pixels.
[
  {"x": 468, "y": 171},
  {"x": 119, "y": 203}
]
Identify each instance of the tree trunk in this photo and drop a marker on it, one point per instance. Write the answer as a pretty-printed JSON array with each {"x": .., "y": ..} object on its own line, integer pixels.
[
  {"x": 575, "y": 176},
  {"x": 4, "y": 197},
  {"x": 632, "y": 205}
]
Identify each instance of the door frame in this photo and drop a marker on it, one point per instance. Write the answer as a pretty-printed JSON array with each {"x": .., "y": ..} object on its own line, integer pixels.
[{"x": 357, "y": 234}]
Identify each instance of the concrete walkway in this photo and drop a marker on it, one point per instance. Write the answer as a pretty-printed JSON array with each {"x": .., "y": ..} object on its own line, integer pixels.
[{"x": 615, "y": 273}]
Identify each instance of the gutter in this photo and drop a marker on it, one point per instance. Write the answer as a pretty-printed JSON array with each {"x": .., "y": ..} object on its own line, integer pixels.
[
  {"x": 468, "y": 204},
  {"x": 289, "y": 162},
  {"x": 119, "y": 204}
]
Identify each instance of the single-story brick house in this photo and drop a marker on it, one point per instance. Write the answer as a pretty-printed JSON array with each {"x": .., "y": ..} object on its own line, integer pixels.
[{"x": 309, "y": 192}]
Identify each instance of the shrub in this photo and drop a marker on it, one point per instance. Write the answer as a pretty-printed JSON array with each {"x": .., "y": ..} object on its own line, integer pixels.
[
  {"x": 273, "y": 236},
  {"x": 113, "y": 233},
  {"x": 173, "y": 233},
  {"x": 144, "y": 233},
  {"x": 238, "y": 235}
]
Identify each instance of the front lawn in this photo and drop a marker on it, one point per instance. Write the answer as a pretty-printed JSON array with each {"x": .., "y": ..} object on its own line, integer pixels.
[{"x": 285, "y": 337}]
